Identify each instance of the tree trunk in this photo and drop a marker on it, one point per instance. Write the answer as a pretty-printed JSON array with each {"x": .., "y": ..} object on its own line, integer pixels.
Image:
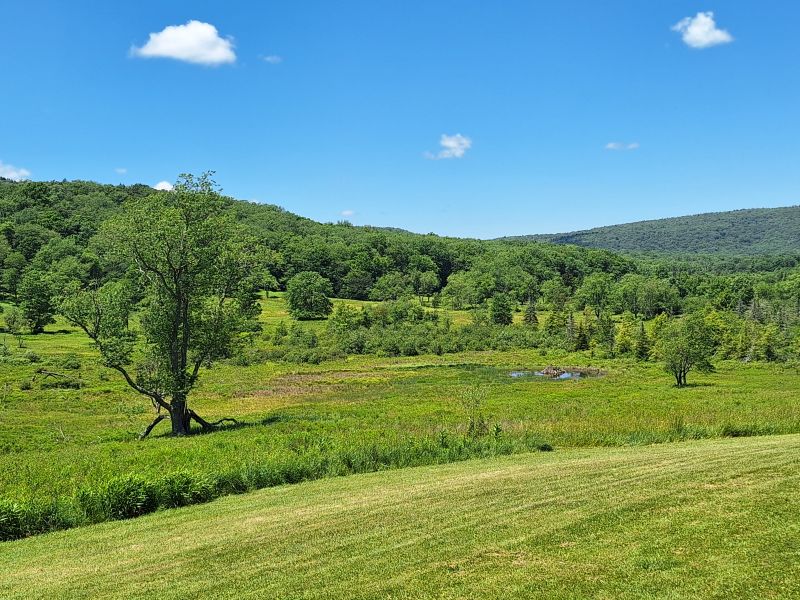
[{"x": 179, "y": 416}]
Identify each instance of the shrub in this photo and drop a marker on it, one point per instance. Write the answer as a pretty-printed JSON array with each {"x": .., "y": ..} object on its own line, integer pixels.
[
  {"x": 183, "y": 489},
  {"x": 12, "y": 520},
  {"x": 122, "y": 497},
  {"x": 70, "y": 361},
  {"x": 62, "y": 384},
  {"x": 32, "y": 357}
]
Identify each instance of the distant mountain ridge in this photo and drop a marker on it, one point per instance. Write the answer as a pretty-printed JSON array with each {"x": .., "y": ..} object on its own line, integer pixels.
[{"x": 737, "y": 232}]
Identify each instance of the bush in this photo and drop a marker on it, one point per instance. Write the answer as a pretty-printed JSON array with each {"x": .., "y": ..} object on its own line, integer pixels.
[
  {"x": 32, "y": 357},
  {"x": 12, "y": 520},
  {"x": 62, "y": 384},
  {"x": 183, "y": 489},
  {"x": 122, "y": 497},
  {"x": 70, "y": 361}
]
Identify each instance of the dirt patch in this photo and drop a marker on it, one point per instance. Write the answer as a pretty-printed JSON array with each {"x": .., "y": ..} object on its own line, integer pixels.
[{"x": 301, "y": 384}]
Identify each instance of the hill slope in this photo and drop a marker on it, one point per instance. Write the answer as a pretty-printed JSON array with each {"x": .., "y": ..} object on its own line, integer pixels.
[
  {"x": 697, "y": 519},
  {"x": 750, "y": 231}
]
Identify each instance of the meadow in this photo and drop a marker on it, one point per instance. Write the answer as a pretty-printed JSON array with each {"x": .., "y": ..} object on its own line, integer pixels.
[
  {"x": 358, "y": 414},
  {"x": 699, "y": 519}
]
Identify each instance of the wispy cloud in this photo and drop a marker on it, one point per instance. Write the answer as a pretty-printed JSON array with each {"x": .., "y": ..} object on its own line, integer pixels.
[
  {"x": 164, "y": 186},
  {"x": 120, "y": 170},
  {"x": 452, "y": 146},
  {"x": 12, "y": 172},
  {"x": 701, "y": 31},
  {"x": 348, "y": 213},
  {"x": 195, "y": 42},
  {"x": 622, "y": 146},
  {"x": 272, "y": 59}
]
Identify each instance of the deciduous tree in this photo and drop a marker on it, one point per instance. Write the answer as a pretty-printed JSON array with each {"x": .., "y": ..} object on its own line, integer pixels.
[
  {"x": 686, "y": 344},
  {"x": 197, "y": 273},
  {"x": 307, "y": 295}
]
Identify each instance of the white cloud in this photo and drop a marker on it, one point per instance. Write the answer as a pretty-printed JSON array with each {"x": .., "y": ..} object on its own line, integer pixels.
[
  {"x": 622, "y": 146},
  {"x": 348, "y": 213},
  {"x": 194, "y": 42},
  {"x": 120, "y": 170},
  {"x": 12, "y": 172},
  {"x": 453, "y": 146},
  {"x": 165, "y": 186},
  {"x": 272, "y": 59},
  {"x": 701, "y": 31}
]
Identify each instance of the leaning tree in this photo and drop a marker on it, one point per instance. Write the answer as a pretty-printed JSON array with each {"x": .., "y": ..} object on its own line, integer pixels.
[{"x": 189, "y": 296}]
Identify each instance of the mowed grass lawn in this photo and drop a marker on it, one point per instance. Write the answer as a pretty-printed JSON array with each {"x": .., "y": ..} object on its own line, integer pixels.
[{"x": 700, "y": 519}]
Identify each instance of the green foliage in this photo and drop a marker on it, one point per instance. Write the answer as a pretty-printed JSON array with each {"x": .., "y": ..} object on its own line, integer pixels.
[
  {"x": 626, "y": 333},
  {"x": 605, "y": 334},
  {"x": 555, "y": 294},
  {"x": 500, "y": 310},
  {"x": 686, "y": 344},
  {"x": 595, "y": 291},
  {"x": 122, "y": 497},
  {"x": 307, "y": 295},
  {"x": 35, "y": 293},
  {"x": 16, "y": 323},
  {"x": 530, "y": 317},
  {"x": 642, "y": 344},
  {"x": 391, "y": 286}
]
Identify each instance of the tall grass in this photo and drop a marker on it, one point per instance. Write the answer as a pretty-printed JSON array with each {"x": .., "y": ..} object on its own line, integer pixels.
[{"x": 131, "y": 495}]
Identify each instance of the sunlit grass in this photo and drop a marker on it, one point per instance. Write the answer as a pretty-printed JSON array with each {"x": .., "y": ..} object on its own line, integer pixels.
[
  {"x": 711, "y": 519},
  {"x": 52, "y": 441}
]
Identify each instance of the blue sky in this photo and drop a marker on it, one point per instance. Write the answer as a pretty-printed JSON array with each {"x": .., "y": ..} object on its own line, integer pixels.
[{"x": 571, "y": 114}]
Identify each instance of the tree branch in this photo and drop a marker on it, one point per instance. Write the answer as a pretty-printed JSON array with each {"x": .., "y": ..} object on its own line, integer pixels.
[
  {"x": 154, "y": 395},
  {"x": 140, "y": 259}
]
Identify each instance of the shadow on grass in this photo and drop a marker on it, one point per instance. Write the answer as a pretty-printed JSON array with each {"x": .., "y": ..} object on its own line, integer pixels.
[{"x": 166, "y": 433}]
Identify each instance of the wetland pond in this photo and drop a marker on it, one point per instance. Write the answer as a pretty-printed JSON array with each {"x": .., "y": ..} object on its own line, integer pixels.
[{"x": 556, "y": 373}]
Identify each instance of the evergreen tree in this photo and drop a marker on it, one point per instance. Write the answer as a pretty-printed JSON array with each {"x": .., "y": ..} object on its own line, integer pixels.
[
  {"x": 530, "y": 318},
  {"x": 642, "y": 344},
  {"x": 581, "y": 340}
]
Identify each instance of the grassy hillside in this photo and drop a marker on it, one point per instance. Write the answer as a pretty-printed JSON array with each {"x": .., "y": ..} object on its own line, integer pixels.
[
  {"x": 699, "y": 519},
  {"x": 751, "y": 231}
]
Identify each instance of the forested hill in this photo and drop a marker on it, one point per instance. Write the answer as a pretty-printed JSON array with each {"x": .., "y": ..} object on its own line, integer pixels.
[
  {"x": 47, "y": 229},
  {"x": 738, "y": 232}
]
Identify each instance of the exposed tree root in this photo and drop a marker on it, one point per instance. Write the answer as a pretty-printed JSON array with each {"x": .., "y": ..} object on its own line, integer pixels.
[
  {"x": 206, "y": 425},
  {"x": 150, "y": 427}
]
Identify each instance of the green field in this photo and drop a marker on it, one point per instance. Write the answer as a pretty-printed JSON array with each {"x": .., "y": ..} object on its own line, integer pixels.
[
  {"x": 56, "y": 440},
  {"x": 709, "y": 519}
]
